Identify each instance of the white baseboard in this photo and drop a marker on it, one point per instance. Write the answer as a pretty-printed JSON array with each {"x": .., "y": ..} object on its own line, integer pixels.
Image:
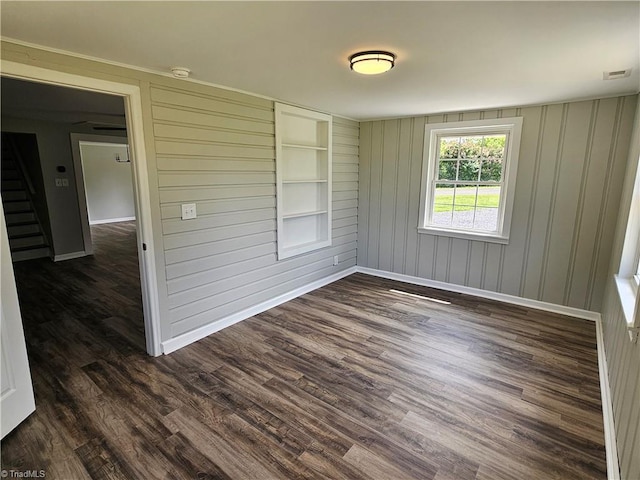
[
  {"x": 185, "y": 339},
  {"x": 611, "y": 448},
  {"x": 69, "y": 256},
  {"x": 111, "y": 220},
  {"x": 476, "y": 292},
  {"x": 193, "y": 336}
]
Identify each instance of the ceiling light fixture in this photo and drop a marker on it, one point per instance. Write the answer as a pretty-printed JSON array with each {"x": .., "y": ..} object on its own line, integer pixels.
[
  {"x": 180, "y": 72},
  {"x": 372, "y": 62}
]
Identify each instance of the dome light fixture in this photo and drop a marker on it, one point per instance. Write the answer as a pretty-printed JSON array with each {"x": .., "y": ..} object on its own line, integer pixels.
[{"x": 372, "y": 62}]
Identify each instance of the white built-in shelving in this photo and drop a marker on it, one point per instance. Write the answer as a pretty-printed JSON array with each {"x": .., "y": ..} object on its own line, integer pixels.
[{"x": 303, "y": 177}]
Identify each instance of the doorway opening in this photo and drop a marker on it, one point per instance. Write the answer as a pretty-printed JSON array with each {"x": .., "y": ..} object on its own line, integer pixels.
[{"x": 137, "y": 232}]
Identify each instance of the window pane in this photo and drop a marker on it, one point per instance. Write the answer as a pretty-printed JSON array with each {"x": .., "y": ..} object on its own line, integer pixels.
[
  {"x": 470, "y": 147},
  {"x": 491, "y": 170},
  {"x": 489, "y": 197},
  {"x": 469, "y": 170},
  {"x": 463, "y": 218},
  {"x": 447, "y": 169},
  {"x": 493, "y": 146},
  {"x": 464, "y": 206},
  {"x": 465, "y": 197},
  {"x": 449, "y": 147},
  {"x": 486, "y": 219},
  {"x": 442, "y": 205}
]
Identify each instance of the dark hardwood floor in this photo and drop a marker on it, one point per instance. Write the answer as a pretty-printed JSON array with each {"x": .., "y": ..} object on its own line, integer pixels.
[{"x": 352, "y": 381}]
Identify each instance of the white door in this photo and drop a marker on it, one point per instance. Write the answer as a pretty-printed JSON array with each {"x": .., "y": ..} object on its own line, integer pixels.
[{"x": 16, "y": 394}]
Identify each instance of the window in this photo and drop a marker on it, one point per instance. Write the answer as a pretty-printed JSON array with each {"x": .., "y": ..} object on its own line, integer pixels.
[
  {"x": 636, "y": 276},
  {"x": 468, "y": 178},
  {"x": 628, "y": 277}
]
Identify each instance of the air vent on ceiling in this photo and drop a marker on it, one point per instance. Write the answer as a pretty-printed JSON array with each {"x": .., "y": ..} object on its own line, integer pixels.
[{"x": 616, "y": 74}]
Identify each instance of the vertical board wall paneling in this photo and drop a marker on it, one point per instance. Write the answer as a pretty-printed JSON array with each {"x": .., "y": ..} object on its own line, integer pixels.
[
  {"x": 218, "y": 150},
  {"x": 623, "y": 361},
  {"x": 567, "y": 189},
  {"x": 410, "y": 264},
  {"x": 364, "y": 194},
  {"x": 389, "y": 193},
  {"x": 609, "y": 210},
  {"x": 375, "y": 190},
  {"x": 562, "y": 213}
]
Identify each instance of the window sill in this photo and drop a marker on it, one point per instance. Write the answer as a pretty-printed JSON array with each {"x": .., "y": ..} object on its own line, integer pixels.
[
  {"x": 477, "y": 236},
  {"x": 628, "y": 298}
]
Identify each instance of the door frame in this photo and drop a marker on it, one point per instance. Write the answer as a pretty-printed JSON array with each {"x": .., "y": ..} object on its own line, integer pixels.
[
  {"x": 135, "y": 134},
  {"x": 76, "y": 141}
]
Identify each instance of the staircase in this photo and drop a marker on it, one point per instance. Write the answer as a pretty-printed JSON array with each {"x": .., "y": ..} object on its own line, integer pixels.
[{"x": 26, "y": 237}]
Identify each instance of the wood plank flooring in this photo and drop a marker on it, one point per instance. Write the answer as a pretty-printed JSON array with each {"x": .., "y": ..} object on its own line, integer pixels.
[{"x": 352, "y": 381}]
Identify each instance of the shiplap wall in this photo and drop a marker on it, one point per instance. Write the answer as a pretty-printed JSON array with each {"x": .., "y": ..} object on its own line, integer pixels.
[
  {"x": 623, "y": 357},
  {"x": 217, "y": 150},
  {"x": 623, "y": 362},
  {"x": 571, "y": 165}
]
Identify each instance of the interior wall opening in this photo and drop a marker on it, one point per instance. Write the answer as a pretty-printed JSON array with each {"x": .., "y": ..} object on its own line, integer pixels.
[{"x": 84, "y": 285}]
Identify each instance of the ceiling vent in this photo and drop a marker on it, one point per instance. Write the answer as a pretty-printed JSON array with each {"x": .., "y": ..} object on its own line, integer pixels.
[{"x": 616, "y": 74}]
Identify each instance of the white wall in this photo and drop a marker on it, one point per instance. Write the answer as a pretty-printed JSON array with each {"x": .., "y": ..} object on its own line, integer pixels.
[{"x": 108, "y": 183}]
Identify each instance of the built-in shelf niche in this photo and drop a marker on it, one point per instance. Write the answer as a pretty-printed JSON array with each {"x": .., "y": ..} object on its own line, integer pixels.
[{"x": 303, "y": 177}]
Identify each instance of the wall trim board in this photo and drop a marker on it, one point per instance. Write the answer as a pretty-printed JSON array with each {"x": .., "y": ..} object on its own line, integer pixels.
[
  {"x": 69, "y": 256},
  {"x": 112, "y": 220},
  {"x": 610, "y": 445},
  {"x": 199, "y": 333},
  {"x": 477, "y": 292}
]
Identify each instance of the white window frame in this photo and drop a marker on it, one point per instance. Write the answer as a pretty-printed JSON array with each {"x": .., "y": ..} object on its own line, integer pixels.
[
  {"x": 628, "y": 276},
  {"x": 433, "y": 132}
]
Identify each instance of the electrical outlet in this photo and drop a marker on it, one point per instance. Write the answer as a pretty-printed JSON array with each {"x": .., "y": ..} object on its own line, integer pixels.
[
  {"x": 188, "y": 211},
  {"x": 58, "y": 182},
  {"x": 65, "y": 182},
  {"x": 336, "y": 260}
]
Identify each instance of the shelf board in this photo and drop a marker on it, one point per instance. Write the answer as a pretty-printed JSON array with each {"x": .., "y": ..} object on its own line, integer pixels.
[
  {"x": 304, "y": 181},
  {"x": 297, "y": 248},
  {"x": 304, "y": 147},
  {"x": 303, "y": 214}
]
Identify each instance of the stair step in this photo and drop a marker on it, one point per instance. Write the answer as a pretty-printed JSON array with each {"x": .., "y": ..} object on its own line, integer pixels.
[
  {"x": 10, "y": 174},
  {"x": 30, "y": 254},
  {"x": 14, "y": 195},
  {"x": 12, "y": 185},
  {"x": 19, "y": 218},
  {"x": 25, "y": 229},
  {"x": 27, "y": 241},
  {"x": 17, "y": 206}
]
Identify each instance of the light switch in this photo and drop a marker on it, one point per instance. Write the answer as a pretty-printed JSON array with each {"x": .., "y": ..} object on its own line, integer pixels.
[
  {"x": 58, "y": 182},
  {"x": 188, "y": 211},
  {"x": 65, "y": 182}
]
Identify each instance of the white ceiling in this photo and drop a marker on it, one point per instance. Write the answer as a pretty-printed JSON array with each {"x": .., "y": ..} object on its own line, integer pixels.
[{"x": 452, "y": 56}]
